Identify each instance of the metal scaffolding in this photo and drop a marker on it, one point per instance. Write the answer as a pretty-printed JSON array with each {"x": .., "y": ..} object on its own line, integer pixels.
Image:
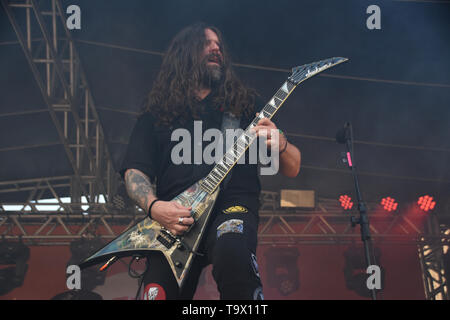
[
  {"x": 57, "y": 70},
  {"x": 431, "y": 253},
  {"x": 328, "y": 223}
]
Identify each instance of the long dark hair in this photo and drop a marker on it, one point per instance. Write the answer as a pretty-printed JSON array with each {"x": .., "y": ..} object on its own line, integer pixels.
[{"x": 173, "y": 96}]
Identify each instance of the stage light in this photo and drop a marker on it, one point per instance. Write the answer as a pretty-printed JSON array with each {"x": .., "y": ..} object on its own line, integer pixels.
[
  {"x": 389, "y": 204},
  {"x": 282, "y": 269},
  {"x": 298, "y": 199},
  {"x": 426, "y": 203},
  {"x": 80, "y": 249},
  {"x": 346, "y": 202},
  {"x": 15, "y": 256},
  {"x": 355, "y": 270},
  {"x": 90, "y": 277}
]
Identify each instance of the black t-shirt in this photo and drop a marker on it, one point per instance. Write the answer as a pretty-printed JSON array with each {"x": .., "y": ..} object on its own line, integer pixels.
[{"x": 150, "y": 149}]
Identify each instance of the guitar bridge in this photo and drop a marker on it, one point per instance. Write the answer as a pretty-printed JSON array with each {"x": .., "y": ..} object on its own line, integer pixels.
[{"x": 166, "y": 239}]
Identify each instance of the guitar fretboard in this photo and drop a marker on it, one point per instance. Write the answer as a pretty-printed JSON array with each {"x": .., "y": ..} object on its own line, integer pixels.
[{"x": 232, "y": 156}]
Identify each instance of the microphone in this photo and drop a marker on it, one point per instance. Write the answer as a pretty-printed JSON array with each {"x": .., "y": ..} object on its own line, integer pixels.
[{"x": 344, "y": 133}]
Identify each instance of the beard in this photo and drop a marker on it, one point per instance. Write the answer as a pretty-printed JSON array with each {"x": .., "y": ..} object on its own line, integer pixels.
[
  {"x": 211, "y": 75},
  {"x": 214, "y": 73}
]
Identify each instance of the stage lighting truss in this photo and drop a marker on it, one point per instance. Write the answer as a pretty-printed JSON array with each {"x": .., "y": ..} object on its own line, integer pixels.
[
  {"x": 435, "y": 261},
  {"x": 324, "y": 224},
  {"x": 63, "y": 84}
]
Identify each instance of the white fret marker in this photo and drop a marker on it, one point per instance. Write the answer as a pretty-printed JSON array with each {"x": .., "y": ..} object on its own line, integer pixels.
[
  {"x": 272, "y": 103},
  {"x": 285, "y": 88}
]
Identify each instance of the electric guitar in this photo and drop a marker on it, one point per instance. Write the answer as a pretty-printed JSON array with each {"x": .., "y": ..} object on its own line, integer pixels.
[{"x": 149, "y": 235}]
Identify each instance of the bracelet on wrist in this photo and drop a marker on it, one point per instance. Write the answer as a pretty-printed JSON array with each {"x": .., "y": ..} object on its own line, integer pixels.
[
  {"x": 285, "y": 146},
  {"x": 149, "y": 213}
]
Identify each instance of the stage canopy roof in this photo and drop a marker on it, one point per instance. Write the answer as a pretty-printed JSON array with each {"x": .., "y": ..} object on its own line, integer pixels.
[{"x": 395, "y": 88}]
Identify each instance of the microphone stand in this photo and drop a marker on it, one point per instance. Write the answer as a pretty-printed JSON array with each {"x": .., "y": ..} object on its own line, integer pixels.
[{"x": 363, "y": 219}]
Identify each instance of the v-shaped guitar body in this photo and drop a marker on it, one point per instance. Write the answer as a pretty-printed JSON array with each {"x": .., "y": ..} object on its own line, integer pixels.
[{"x": 148, "y": 235}]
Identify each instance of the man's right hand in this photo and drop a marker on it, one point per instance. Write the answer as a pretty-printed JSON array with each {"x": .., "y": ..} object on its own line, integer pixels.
[{"x": 168, "y": 214}]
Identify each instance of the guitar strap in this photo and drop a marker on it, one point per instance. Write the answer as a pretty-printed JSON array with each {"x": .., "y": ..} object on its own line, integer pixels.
[{"x": 229, "y": 121}]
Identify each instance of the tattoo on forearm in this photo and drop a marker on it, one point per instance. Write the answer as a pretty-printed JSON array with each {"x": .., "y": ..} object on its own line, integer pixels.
[{"x": 139, "y": 188}]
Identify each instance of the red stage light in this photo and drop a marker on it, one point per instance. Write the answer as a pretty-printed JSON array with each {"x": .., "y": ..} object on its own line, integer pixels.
[
  {"x": 389, "y": 204},
  {"x": 426, "y": 203},
  {"x": 346, "y": 202}
]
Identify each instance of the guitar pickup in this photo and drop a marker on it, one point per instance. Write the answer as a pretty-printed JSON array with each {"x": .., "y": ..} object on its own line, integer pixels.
[{"x": 166, "y": 239}]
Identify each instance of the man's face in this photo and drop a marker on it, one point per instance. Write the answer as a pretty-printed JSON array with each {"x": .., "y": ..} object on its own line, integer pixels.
[
  {"x": 211, "y": 51},
  {"x": 212, "y": 56}
]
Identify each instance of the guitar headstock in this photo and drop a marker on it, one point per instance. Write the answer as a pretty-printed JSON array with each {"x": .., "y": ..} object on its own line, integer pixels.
[{"x": 306, "y": 71}]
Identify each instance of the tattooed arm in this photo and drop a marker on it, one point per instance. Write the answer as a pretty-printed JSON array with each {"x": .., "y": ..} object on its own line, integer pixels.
[
  {"x": 139, "y": 188},
  {"x": 165, "y": 213}
]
